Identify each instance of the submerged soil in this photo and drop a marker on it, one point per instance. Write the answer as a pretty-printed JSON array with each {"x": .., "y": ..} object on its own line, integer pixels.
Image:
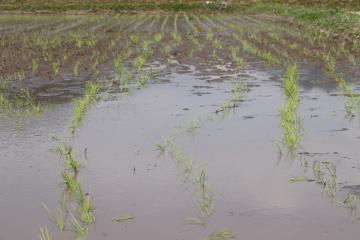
[{"x": 256, "y": 189}]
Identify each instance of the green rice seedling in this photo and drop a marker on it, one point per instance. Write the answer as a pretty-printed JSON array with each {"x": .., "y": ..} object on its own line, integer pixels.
[
  {"x": 70, "y": 181},
  {"x": 350, "y": 201},
  {"x": 248, "y": 47},
  {"x": 60, "y": 221},
  {"x": 209, "y": 36},
  {"x": 222, "y": 235},
  {"x": 84, "y": 103},
  {"x": 347, "y": 54},
  {"x": 56, "y": 67},
  {"x": 86, "y": 211},
  {"x": 291, "y": 83},
  {"x": 58, "y": 217},
  {"x": 161, "y": 147},
  {"x": 34, "y": 65},
  {"x": 267, "y": 56},
  {"x": 134, "y": 38},
  {"x": 142, "y": 80},
  {"x": 158, "y": 37},
  {"x": 217, "y": 43},
  {"x": 194, "y": 125},
  {"x": 126, "y": 218},
  {"x": 79, "y": 42},
  {"x": 139, "y": 62},
  {"x": 317, "y": 171},
  {"x": 76, "y": 67},
  {"x": 5, "y": 104},
  {"x": 167, "y": 49},
  {"x": 118, "y": 62},
  {"x": 73, "y": 164},
  {"x": 175, "y": 34},
  {"x": 80, "y": 230},
  {"x": 206, "y": 205},
  {"x": 47, "y": 56},
  {"x": 45, "y": 234},
  {"x": 330, "y": 185},
  {"x": 290, "y": 122}
]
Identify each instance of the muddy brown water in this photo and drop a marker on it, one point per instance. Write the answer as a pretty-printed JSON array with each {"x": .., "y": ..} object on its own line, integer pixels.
[{"x": 126, "y": 176}]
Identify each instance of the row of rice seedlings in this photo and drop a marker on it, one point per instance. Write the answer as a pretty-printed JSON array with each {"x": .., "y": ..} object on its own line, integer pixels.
[
  {"x": 206, "y": 199},
  {"x": 290, "y": 121},
  {"x": 239, "y": 62},
  {"x": 83, "y": 104},
  {"x": 265, "y": 55},
  {"x": 328, "y": 180},
  {"x": 239, "y": 89},
  {"x": 23, "y": 103},
  {"x": 353, "y": 101}
]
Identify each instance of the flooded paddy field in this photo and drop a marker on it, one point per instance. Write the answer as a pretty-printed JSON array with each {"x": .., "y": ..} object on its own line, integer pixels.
[{"x": 177, "y": 126}]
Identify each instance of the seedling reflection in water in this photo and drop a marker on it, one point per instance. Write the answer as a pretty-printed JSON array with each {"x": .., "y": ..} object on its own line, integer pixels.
[
  {"x": 222, "y": 235},
  {"x": 45, "y": 234}
]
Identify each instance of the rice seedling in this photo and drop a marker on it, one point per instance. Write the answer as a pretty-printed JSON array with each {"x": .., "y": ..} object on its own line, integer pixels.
[
  {"x": 34, "y": 65},
  {"x": 70, "y": 181},
  {"x": 348, "y": 54},
  {"x": 206, "y": 206},
  {"x": 194, "y": 125},
  {"x": 158, "y": 37},
  {"x": 45, "y": 234},
  {"x": 175, "y": 34},
  {"x": 84, "y": 103},
  {"x": 76, "y": 68},
  {"x": 139, "y": 62},
  {"x": 317, "y": 171},
  {"x": 330, "y": 185},
  {"x": 58, "y": 217},
  {"x": 126, "y": 218},
  {"x": 80, "y": 230},
  {"x": 290, "y": 122},
  {"x": 56, "y": 67},
  {"x": 86, "y": 211},
  {"x": 221, "y": 235},
  {"x": 350, "y": 201},
  {"x": 291, "y": 83}
]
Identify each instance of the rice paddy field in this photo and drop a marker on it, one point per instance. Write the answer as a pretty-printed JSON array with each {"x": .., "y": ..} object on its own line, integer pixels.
[{"x": 177, "y": 125}]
